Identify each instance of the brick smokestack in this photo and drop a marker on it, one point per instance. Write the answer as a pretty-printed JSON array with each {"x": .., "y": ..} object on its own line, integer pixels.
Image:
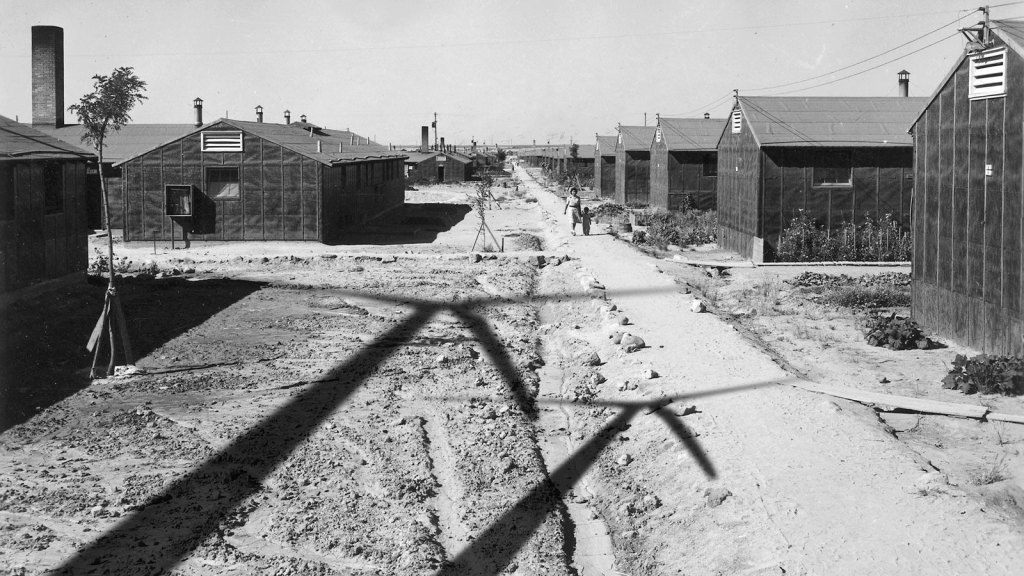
[
  {"x": 48, "y": 75},
  {"x": 424, "y": 138}
]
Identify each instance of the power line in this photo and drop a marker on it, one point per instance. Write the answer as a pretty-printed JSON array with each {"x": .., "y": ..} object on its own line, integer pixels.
[
  {"x": 943, "y": 39},
  {"x": 699, "y": 108},
  {"x": 515, "y": 42},
  {"x": 880, "y": 54}
]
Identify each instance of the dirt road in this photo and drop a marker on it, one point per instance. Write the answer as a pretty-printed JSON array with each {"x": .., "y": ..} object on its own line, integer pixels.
[
  {"x": 419, "y": 411},
  {"x": 811, "y": 485}
]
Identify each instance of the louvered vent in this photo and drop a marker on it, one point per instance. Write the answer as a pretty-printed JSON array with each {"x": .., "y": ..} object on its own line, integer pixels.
[
  {"x": 988, "y": 74},
  {"x": 737, "y": 121},
  {"x": 222, "y": 141}
]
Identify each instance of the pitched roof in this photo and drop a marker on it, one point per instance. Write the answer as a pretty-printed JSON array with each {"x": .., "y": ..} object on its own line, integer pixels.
[
  {"x": 302, "y": 138},
  {"x": 19, "y": 140},
  {"x": 129, "y": 141},
  {"x": 1009, "y": 31},
  {"x": 636, "y": 137},
  {"x": 585, "y": 151},
  {"x": 691, "y": 133},
  {"x": 606, "y": 145},
  {"x": 830, "y": 121},
  {"x": 417, "y": 157}
]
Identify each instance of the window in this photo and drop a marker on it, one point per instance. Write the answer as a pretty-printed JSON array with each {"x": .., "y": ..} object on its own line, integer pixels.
[
  {"x": 222, "y": 183},
  {"x": 710, "y": 165},
  {"x": 832, "y": 168},
  {"x": 178, "y": 199},
  {"x": 737, "y": 121},
  {"x": 988, "y": 74},
  {"x": 53, "y": 187},
  {"x": 221, "y": 141}
]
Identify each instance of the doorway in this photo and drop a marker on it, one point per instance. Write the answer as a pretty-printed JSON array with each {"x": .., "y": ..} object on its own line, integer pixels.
[{"x": 440, "y": 173}]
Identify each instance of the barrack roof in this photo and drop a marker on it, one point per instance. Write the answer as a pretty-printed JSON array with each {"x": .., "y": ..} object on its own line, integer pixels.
[{"x": 830, "y": 120}]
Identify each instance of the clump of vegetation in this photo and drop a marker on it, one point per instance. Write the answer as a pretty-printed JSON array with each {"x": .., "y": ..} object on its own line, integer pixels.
[
  {"x": 896, "y": 333},
  {"x": 526, "y": 242},
  {"x": 867, "y": 297},
  {"x": 885, "y": 290},
  {"x": 100, "y": 264},
  {"x": 995, "y": 473},
  {"x": 819, "y": 280},
  {"x": 877, "y": 240},
  {"x": 901, "y": 279},
  {"x": 679, "y": 228},
  {"x": 986, "y": 374}
]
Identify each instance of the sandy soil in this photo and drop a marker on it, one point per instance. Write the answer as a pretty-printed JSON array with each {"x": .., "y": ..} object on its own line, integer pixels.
[{"x": 401, "y": 407}]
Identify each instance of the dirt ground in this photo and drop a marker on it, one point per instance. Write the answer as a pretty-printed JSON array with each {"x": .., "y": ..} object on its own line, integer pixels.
[{"x": 400, "y": 406}]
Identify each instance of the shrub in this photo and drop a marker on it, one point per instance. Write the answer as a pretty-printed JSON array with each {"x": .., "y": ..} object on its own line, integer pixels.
[
  {"x": 986, "y": 374},
  {"x": 896, "y": 333}
]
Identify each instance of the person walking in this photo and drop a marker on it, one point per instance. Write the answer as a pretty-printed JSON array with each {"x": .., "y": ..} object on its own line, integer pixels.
[{"x": 572, "y": 202}]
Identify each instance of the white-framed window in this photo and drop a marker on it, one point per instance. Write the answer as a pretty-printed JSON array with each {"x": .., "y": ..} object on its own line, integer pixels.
[
  {"x": 988, "y": 74},
  {"x": 221, "y": 141},
  {"x": 737, "y": 121}
]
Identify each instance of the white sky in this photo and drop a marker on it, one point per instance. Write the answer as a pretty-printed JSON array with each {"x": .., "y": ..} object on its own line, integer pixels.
[{"x": 508, "y": 71}]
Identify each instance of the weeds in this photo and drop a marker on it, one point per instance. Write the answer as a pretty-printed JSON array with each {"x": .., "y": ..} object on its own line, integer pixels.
[
  {"x": 708, "y": 289},
  {"x": 995, "y": 473},
  {"x": 99, "y": 264},
  {"x": 861, "y": 297}
]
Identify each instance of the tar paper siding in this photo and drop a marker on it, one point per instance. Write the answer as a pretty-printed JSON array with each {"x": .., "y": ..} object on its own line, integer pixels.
[
  {"x": 94, "y": 197},
  {"x": 279, "y": 193},
  {"x": 357, "y": 192},
  {"x": 678, "y": 178},
  {"x": 604, "y": 175},
  {"x": 633, "y": 177},
  {"x": 422, "y": 172},
  {"x": 968, "y": 224},
  {"x": 739, "y": 194},
  {"x": 36, "y": 246},
  {"x": 881, "y": 184}
]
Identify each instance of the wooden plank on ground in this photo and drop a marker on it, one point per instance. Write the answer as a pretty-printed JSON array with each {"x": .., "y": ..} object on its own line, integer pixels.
[{"x": 904, "y": 402}]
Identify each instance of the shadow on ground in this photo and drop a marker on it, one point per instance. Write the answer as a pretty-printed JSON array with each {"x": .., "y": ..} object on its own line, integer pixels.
[
  {"x": 42, "y": 347},
  {"x": 196, "y": 503},
  {"x": 412, "y": 224}
]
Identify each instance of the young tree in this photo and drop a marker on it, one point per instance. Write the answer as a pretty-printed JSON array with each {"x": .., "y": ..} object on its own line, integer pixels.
[{"x": 103, "y": 110}]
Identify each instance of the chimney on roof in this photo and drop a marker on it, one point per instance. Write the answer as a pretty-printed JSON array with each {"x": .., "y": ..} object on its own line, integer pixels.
[
  {"x": 442, "y": 144},
  {"x": 197, "y": 104},
  {"x": 424, "y": 138},
  {"x": 48, "y": 75},
  {"x": 259, "y": 113},
  {"x": 904, "y": 78},
  {"x": 707, "y": 115},
  {"x": 287, "y": 116},
  {"x": 302, "y": 118}
]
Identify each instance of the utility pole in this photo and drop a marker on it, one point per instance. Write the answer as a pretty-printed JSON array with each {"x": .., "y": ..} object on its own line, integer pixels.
[{"x": 434, "y": 124}]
